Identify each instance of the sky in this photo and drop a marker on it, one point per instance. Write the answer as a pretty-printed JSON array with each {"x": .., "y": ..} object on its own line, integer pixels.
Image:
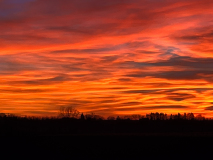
[{"x": 109, "y": 57}]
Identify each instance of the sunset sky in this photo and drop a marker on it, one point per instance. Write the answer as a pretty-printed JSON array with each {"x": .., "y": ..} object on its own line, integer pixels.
[{"x": 109, "y": 57}]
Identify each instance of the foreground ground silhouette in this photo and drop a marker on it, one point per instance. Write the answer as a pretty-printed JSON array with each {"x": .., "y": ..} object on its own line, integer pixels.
[
  {"x": 182, "y": 126},
  {"x": 67, "y": 138}
]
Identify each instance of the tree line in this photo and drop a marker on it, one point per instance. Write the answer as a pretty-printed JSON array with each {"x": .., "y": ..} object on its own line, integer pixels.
[
  {"x": 72, "y": 122},
  {"x": 70, "y": 112}
]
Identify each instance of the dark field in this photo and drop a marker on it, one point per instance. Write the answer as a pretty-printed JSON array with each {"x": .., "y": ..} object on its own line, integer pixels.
[
  {"x": 98, "y": 139},
  {"x": 105, "y": 147}
]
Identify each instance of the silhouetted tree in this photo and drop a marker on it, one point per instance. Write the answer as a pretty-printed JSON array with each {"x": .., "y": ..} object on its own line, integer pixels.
[
  {"x": 69, "y": 112},
  {"x": 171, "y": 117},
  {"x": 118, "y": 118},
  {"x": 98, "y": 117},
  {"x": 82, "y": 117},
  {"x": 89, "y": 116},
  {"x": 179, "y": 116},
  {"x": 161, "y": 116},
  {"x": 157, "y": 115},
  {"x": 110, "y": 118},
  {"x": 2, "y": 115},
  {"x": 184, "y": 116},
  {"x": 135, "y": 117},
  {"x": 190, "y": 116},
  {"x": 199, "y": 117}
]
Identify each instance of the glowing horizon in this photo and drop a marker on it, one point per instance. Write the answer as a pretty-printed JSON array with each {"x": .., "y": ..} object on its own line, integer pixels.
[{"x": 107, "y": 57}]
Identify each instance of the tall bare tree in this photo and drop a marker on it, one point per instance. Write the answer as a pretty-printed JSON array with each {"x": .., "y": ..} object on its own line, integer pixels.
[{"x": 68, "y": 112}]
